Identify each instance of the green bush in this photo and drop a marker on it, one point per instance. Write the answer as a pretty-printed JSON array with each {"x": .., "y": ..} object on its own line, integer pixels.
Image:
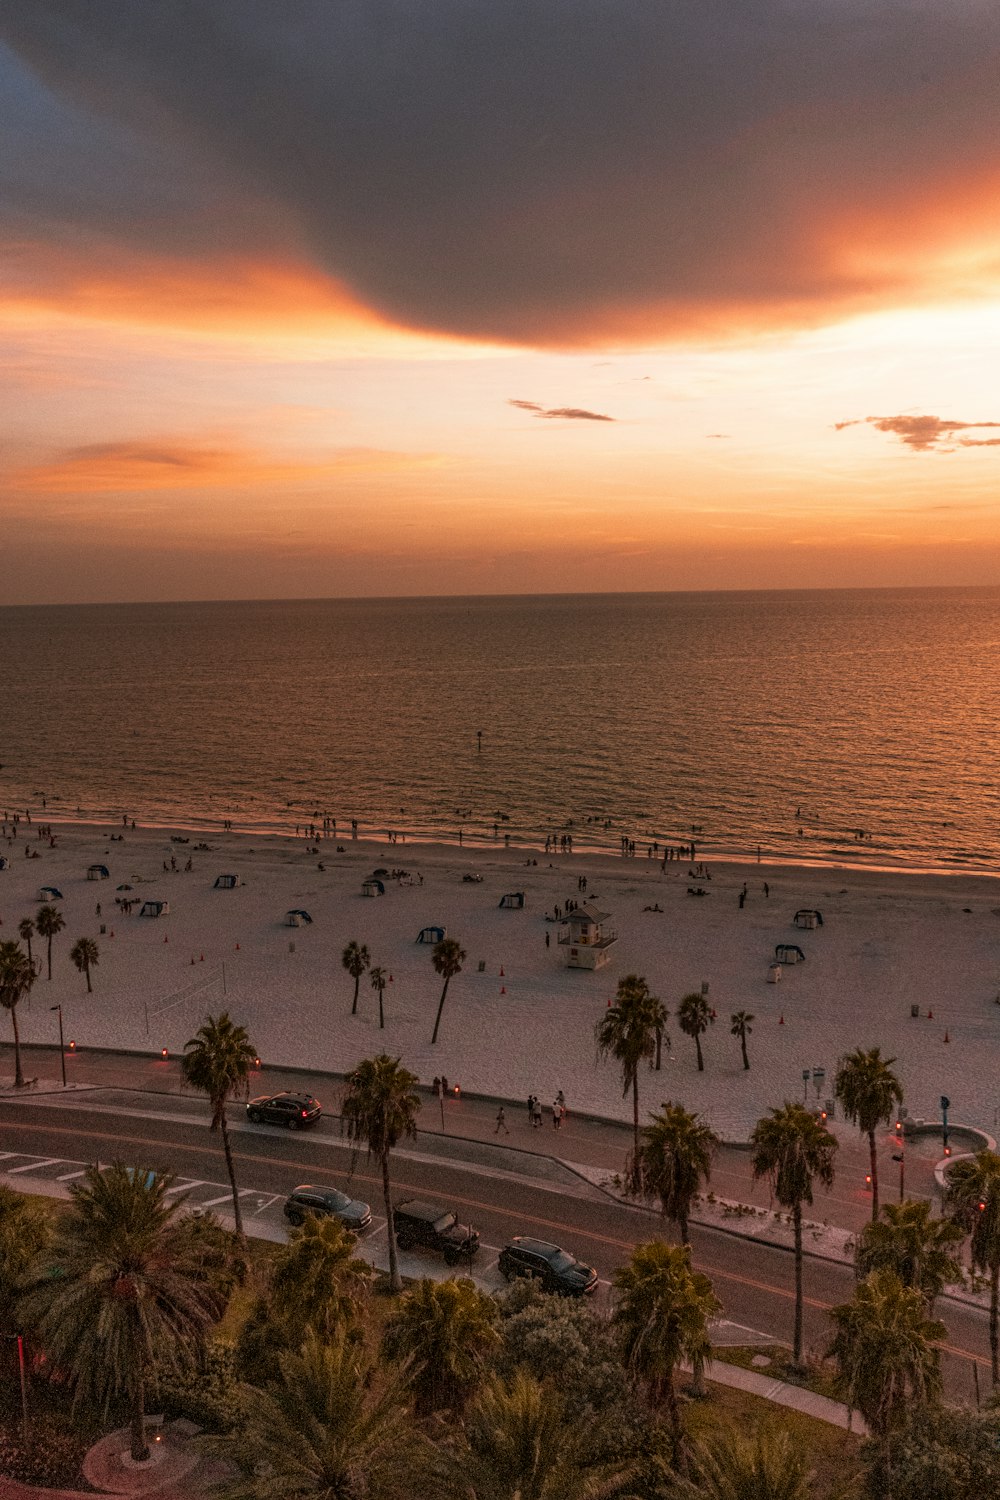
[
  {"x": 209, "y": 1395},
  {"x": 52, "y": 1457}
]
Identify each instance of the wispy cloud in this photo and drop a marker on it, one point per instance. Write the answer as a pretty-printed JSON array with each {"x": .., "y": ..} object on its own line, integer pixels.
[
  {"x": 925, "y": 434},
  {"x": 569, "y": 413}
]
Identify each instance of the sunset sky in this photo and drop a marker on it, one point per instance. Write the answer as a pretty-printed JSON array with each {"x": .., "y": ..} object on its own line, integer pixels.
[{"x": 382, "y": 297}]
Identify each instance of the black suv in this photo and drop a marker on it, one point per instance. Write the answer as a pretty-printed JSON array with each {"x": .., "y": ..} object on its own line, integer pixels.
[
  {"x": 434, "y": 1228},
  {"x": 554, "y": 1269},
  {"x": 291, "y": 1110},
  {"x": 327, "y": 1203}
]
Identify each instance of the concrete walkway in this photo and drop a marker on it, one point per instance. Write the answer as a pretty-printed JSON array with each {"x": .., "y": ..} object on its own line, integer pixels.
[{"x": 795, "y": 1397}]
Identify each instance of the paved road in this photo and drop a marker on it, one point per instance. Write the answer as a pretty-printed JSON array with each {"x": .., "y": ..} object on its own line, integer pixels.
[{"x": 50, "y": 1137}]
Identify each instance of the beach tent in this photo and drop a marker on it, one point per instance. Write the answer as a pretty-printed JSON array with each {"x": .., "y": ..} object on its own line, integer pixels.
[
  {"x": 806, "y": 918},
  {"x": 155, "y": 909},
  {"x": 123, "y": 887},
  {"x": 97, "y": 872},
  {"x": 379, "y": 872},
  {"x": 788, "y": 953},
  {"x": 297, "y": 917},
  {"x": 513, "y": 900},
  {"x": 431, "y": 935},
  {"x": 373, "y": 888},
  {"x": 49, "y": 893},
  {"x": 4, "y": 864},
  {"x": 226, "y": 882}
]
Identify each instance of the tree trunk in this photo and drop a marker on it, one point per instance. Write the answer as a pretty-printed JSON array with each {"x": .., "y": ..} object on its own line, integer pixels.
[
  {"x": 701, "y": 1060},
  {"x": 231, "y": 1169},
  {"x": 357, "y": 982},
  {"x": 86, "y": 970},
  {"x": 137, "y": 1423},
  {"x": 873, "y": 1155},
  {"x": 381, "y": 1017},
  {"x": 682, "y": 1225},
  {"x": 395, "y": 1280},
  {"x": 437, "y": 1019},
  {"x": 995, "y": 1321},
  {"x": 674, "y": 1412},
  {"x": 659, "y": 1046},
  {"x": 797, "y": 1337},
  {"x": 18, "y": 1070},
  {"x": 743, "y": 1046},
  {"x": 636, "y": 1158},
  {"x": 50, "y": 957}
]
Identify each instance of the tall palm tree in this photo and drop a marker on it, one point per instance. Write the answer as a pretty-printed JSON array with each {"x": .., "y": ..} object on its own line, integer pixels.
[
  {"x": 355, "y": 959},
  {"x": 870, "y": 1093},
  {"x": 520, "y": 1443},
  {"x": 123, "y": 1283},
  {"x": 378, "y": 977},
  {"x": 85, "y": 955},
  {"x": 742, "y": 1028},
  {"x": 767, "y": 1465},
  {"x": 662, "y": 1314},
  {"x": 447, "y": 957},
  {"x": 627, "y": 1032},
  {"x": 25, "y": 1231},
  {"x": 793, "y": 1148},
  {"x": 26, "y": 931},
  {"x": 884, "y": 1347},
  {"x": 917, "y": 1247},
  {"x": 327, "y": 1427},
  {"x": 694, "y": 1016},
  {"x": 974, "y": 1199},
  {"x": 661, "y": 1016},
  {"x": 381, "y": 1109},
  {"x": 17, "y": 976},
  {"x": 217, "y": 1061},
  {"x": 49, "y": 920},
  {"x": 443, "y": 1332},
  {"x": 676, "y": 1153}
]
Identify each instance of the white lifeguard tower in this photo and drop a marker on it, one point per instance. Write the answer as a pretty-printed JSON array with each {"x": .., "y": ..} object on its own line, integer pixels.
[{"x": 588, "y": 939}]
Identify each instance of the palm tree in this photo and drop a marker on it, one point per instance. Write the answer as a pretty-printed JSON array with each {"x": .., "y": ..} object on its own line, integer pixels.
[
  {"x": 123, "y": 1284},
  {"x": 742, "y": 1028},
  {"x": 662, "y": 1314},
  {"x": 768, "y": 1465},
  {"x": 326, "y": 1427},
  {"x": 974, "y": 1198},
  {"x": 217, "y": 1061},
  {"x": 444, "y": 1333},
  {"x": 627, "y": 1032},
  {"x": 870, "y": 1093},
  {"x": 85, "y": 955},
  {"x": 447, "y": 958},
  {"x": 520, "y": 1443},
  {"x": 913, "y": 1244},
  {"x": 26, "y": 931},
  {"x": 355, "y": 959},
  {"x": 381, "y": 1109},
  {"x": 675, "y": 1159},
  {"x": 792, "y": 1148},
  {"x": 694, "y": 1017},
  {"x": 661, "y": 1016},
  {"x": 25, "y": 1231},
  {"x": 17, "y": 976},
  {"x": 49, "y": 920},
  {"x": 884, "y": 1347},
  {"x": 378, "y": 979}
]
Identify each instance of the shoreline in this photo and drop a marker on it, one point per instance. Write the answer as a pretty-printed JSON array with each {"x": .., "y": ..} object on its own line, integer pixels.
[{"x": 517, "y": 1019}]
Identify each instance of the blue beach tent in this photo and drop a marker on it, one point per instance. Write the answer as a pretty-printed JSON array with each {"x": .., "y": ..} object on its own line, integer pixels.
[
  {"x": 297, "y": 917},
  {"x": 431, "y": 935},
  {"x": 155, "y": 909},
  {"x": 226, "y": 882},
  {"x": 513, "y": 900},
  {"x": 788, "y": 953},
  {"x": 49, "y": 893},
  {"x": 98, "y": 872},
  {"x": 372, "y": 888}
]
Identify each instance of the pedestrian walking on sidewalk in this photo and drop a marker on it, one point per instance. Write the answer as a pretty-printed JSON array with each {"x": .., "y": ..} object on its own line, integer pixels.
[
  {"x": 556, "y": 1115},
  {"x": 501, "y": 1122},
  {"x": 531, "y": 1108},
  {"x": 536, "y": 1114}
]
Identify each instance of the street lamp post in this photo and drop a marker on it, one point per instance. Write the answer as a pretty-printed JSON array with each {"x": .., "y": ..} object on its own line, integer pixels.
[
  {"x": 62, "y": 1047},
  {"x": 945, "y": 1106}
]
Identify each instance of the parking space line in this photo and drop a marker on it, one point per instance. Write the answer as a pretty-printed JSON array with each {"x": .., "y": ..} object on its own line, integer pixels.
[
  {"x": 211, "y": 1202},
  {"x": 268, "y": 1203},
  {"x": 185, "y": 1186},
  {"x": 71, "y": 1176},
  {"x": 37, "y": 1165}
]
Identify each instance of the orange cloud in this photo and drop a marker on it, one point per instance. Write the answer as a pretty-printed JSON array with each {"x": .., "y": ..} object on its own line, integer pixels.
[{"x": 166, "y": 465}]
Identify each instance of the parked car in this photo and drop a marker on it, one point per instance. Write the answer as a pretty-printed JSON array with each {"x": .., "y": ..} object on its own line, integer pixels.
[
  {"x": 294, "y": 1111},
  {"x": 327, "y": 1203},
  {"x": 434, "y": 1228},
  {"x": 553, "y": 1268}
]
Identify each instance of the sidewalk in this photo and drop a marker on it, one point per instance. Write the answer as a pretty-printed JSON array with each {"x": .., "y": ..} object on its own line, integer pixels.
[{"x": 597, "y": 1146}]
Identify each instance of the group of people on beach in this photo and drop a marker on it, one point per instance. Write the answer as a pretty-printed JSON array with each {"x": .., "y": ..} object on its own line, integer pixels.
[{"x": 535, "y": 1113}]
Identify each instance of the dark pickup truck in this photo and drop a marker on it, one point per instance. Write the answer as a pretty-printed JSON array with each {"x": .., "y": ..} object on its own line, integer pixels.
[{"x": 434, "y": 1228}]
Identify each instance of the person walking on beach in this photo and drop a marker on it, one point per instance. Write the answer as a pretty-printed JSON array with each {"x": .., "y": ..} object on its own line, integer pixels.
[
  {"x": 501, "y": 1122},
  {"x": 561, "y": 1101},
  {"x": 767, "y": 889},
  {"x": 536, "y": 1114},
  {"x": 556, "y": 1114},
  {"x": 531, "y": 1108},
  {"x": 548, "y": 938},
  {"x": 743, "y": 897}
]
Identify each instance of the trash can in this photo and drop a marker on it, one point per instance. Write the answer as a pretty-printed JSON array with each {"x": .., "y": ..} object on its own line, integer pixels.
[
  {"x": 103, "y": 929},
  {"x": 774, "y": 974},
  {"x": 914, "y": 1011}
]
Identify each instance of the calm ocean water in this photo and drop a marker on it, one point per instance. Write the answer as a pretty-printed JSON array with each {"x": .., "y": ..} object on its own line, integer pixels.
[{"x": 748, "y": 716}]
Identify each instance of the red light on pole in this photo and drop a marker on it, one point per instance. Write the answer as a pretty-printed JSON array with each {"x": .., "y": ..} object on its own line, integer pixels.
[
  {"x": 164, "y": 1052},
  {"x": 868, "y": 1179}
]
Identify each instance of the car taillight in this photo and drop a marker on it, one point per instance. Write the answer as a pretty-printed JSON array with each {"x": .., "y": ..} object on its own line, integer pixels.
[{"x": 305, "y": 1113}]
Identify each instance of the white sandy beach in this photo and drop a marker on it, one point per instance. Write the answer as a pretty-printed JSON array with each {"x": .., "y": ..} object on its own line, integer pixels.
[{"x": 888, "y": 941}]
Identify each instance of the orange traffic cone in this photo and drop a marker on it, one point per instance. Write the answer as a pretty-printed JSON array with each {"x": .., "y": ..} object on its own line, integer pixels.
[
  {"x": 501, "y": 971},
  {"x": 237, "y": 947},
  {"x": 202, "y": 959},
  {"x": 947, "y": 1037},
  {"x": 165, "y": 936},
  {"x": 782, "y": 1021},
  {"x": 503, "y": 989},
  {"x": 930, "y": 1015}
]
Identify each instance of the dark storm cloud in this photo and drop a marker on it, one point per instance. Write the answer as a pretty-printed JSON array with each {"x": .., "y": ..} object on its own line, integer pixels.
[
  {"x": 572, "y": 413},
  {"x": 554, "y": 170},
  {"x": 925, "y": 433}
]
